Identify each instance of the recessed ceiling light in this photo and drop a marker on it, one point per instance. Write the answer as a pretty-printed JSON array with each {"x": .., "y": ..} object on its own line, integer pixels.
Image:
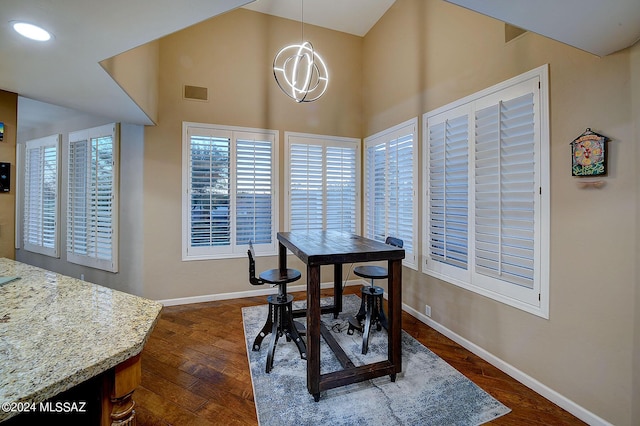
[{"x": 31, "y": 31}]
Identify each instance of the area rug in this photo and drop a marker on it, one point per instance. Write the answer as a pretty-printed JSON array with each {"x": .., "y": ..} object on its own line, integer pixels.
[{"x": 427, "y": 392}]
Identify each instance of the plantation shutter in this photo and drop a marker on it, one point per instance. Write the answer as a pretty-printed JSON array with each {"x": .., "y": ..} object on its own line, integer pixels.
[
  {"x": 507, "y": 228},
  {"x": 229, "y": 196},
  {"x": 376, "y": 192},
  {"x": 401, "y": 190},
  {"x": 448, "y": 190},
  {"x": 341, "y": 188},
  {"x": 505, "y": 190},
  {"x": 306, "y": 187},
  {"x": 323, "y": 183},
  {"x": 391, "y": 187},
  {"x": 254, "y": 186},
  {"x": 209, "y": 188},
  {"x": 92, "y": 198},
  {"x": 40, "y": 223}
]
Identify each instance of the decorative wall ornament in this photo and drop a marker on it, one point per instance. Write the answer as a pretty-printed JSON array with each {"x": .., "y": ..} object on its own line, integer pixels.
[
  {"x": 300, "y": 71},
  {"x": 589, "y": 154}
]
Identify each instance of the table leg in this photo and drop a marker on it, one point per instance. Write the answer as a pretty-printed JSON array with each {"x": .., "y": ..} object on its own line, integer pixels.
[
  {"x": 337, "y": 289},
  {"x": 313, "y": 331},
  {"x": 395, "y": 315},
  {"x": 118, "y": 386},
  {"x": 282, "y": 257}
]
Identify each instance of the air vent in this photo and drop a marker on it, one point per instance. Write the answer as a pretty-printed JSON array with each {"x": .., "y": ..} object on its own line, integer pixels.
[{"x": 196, "y": 93}]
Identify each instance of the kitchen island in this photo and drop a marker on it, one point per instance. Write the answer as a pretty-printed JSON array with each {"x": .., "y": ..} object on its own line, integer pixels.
[{"x": 58, "y": 333}]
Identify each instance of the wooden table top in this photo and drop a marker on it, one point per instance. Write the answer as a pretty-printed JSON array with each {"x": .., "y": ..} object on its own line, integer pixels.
[{"x": 331, "y": 247}]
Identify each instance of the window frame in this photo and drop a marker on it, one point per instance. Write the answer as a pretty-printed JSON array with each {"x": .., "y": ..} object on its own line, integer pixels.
[
  {"x": 383, "y": 137},
  {"x": 532, "y": 300},
  {"x": 323, "y": 141},
  {"x": 47, "y": 141},
  {"x": 94, "y": 261},
  {"x": 233, "y": 250}
]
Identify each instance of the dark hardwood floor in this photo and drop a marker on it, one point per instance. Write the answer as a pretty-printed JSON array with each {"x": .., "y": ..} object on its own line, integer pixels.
[{"x": 195, "y": 370}]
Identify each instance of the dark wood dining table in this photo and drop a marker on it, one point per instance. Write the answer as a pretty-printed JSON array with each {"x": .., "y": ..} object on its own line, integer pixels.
[{"x": 318, "y": 248}]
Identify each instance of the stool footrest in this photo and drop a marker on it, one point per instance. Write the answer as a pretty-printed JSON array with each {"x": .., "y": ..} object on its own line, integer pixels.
[{"x": 354, "y": 324}]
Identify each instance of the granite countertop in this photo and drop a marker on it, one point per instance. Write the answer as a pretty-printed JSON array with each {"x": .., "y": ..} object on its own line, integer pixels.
[{"x": 57, "y": 331}]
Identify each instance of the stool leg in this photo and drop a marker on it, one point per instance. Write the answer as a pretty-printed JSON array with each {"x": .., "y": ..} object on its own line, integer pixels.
[
  {"x": 367, "y": 326},
  {"x": 362, "y": 312},
  {"x": 292, "y": 332},
  {"x": 375, "y": 316},
  {"x": 381, "y": 316},
  {"x": 275, "y": 333},
  {"x": 266, "y": 329}
]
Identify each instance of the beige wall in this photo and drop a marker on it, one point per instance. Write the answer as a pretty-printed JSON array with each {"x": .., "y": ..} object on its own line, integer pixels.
[
  {"x": 585, "y": 351},
  {"x": 232, "y": 56},
  {"x": 8, "y": 116},
  {"x": 635, "y": 108},
  {"x": 137, "y": 73},
  {"x": 130, "y": 276}
]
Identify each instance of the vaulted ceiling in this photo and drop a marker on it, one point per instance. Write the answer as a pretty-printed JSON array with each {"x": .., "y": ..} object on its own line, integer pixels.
[{"x": 66, "y": 71}]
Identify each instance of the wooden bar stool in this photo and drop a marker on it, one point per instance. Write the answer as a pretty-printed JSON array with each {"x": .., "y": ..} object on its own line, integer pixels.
[
  {"x": 371, "y": 312},
  {"x": 280, "y": 319}
]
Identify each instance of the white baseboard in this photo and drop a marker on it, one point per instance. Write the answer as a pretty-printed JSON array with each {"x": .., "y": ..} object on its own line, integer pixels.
[
  {"x": 540, "y": 388},
  {"x": 263, "y": 291}
]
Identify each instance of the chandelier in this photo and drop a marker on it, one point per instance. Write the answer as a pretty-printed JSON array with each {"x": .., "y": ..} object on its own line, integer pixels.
[{"x": 300, "y": 71}]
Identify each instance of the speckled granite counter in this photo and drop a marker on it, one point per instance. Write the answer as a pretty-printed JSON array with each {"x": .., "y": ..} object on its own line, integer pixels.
[{"x": 56, "y": 332}]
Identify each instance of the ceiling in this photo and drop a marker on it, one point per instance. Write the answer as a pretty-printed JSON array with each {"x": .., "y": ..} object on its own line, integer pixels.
[
  {"x": 349, "y": 16},
  {"x": 600, "y": 27},
  {"x": 66, "y": 71}
]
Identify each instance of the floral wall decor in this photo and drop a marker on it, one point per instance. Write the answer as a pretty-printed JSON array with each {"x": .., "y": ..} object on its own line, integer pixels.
[{"x": 589, "y": 154}]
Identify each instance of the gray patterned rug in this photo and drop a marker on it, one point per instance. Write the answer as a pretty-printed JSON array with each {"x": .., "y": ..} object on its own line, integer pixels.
[{"x": 427, "y": 392}]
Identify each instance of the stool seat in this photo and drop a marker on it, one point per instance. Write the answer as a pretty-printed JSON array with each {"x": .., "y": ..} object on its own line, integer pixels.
[
  {"x": 371, "y": 272},
  {"x": 274, "y": 276}
]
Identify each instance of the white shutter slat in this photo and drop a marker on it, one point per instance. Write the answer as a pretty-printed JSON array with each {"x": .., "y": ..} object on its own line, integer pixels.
[
  {"x": 390, "y": 187},
  {"x": 322, "y": 184},
  {"x": 505, "y": 193},
  {"x": 254, "y": 191},
  {"x": 91, "y": 206},
  {"x": 306, "y": 197},
  {"x": 340, "y": 188},
  {"x": 40, "y": 232},
  {"x": 448, "y": 191},
  {"x": 210, "y": 190}
]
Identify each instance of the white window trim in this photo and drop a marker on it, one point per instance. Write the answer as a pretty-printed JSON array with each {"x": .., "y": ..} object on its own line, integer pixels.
[
  {"x": 323, "y": 141},
  {"x": 52, "y": 140},
  {"x": 538, "y": 297},
  {"x": 234, "y": 250},
  {"x": 411, "y": 258},
  {"x": 112, "y": 129}
]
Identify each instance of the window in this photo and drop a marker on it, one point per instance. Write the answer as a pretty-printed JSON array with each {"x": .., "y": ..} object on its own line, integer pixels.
[
  {"x": 92, "y": 205},
  {"x": 487, "y": 197},
  {"x": 323, "y": 181},
  {"x": 391, "y": 173},
  {"x": 40, "y": 219},
  {"x": 229, "y": 191}
]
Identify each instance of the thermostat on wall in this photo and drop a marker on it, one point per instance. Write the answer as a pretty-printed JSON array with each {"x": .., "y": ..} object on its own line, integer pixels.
[{"x": 5, "y": 177}]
